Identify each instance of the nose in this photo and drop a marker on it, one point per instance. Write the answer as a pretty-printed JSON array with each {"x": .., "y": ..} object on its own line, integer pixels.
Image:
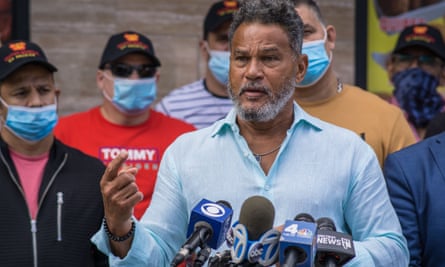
[
  {"x": 254, "y": 70},
  {"x": 134, "y": 75},
  {"x": 35, "y": 99},
  {"x": 226, "y": 46},
  {"x": 414, "y": 63}
]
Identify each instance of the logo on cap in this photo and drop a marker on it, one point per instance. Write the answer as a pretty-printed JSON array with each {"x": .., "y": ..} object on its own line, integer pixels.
[
  {"x": 17, "y": 46},
  {"x": 131, "y": 37},
  {"x": 230, "y": 4},
  {"x": 420, "y": 29},
  {"x": 19, "y": 51},
  {"x": 229, "y": 7},
  {"x": 133, "y": 42}
]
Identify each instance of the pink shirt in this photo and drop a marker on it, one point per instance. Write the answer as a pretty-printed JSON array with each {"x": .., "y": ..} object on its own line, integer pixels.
[{"x": 30, "y": 170}]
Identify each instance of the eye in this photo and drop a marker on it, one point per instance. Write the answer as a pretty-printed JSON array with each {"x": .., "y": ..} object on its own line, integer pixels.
[
  {"x": 269, "y": 58},
  {"x": 21, "y": 92},
  {"x": 121, "y": 70},
  {"x": 44, "y": 89},
  {"x": 241, "y": 59},
  {"x": 146, "y": 71}
]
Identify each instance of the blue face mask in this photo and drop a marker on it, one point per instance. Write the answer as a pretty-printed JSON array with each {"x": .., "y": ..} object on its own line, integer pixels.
[
  {"x": 31, "y": 124},
  {"x": 133, "y": 96},
  {"x": 318, "y": 61},
  {"x": 219, "y": 65}
]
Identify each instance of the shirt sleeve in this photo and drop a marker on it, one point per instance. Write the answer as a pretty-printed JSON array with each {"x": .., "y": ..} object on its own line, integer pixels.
[
  {"x": 402, "y": 200},
  {"x": 378, "y": 238},
  {"x": 162, "y": 229}
]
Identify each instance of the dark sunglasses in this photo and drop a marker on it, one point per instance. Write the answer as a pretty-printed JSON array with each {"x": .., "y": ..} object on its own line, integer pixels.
[
  {"x": 124, "y": 70},
  {"x": 422, "y": 60}
]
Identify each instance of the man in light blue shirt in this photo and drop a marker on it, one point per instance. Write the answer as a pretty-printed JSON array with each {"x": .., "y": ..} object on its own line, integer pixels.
[{"x": 267, "y": 145}]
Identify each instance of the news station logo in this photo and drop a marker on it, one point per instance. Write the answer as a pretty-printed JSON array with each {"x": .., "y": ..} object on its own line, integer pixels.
[
  {"x": 294, "y": 230},
  {"x": 213, "y": 210}
]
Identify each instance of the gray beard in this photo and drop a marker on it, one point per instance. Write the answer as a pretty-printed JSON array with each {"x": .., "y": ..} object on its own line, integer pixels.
[{"x": 268, "y": 111}]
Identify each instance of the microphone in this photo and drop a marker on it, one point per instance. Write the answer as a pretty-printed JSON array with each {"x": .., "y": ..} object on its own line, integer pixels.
[
  {"x": 297, "y": 242},
  {"x": 253, "y": 239},
  {"x": 209, "y": 222},
  {"x": 333, "y": 248}
]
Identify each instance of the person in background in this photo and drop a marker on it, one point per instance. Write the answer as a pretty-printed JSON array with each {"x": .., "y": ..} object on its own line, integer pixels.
[
  {"x": 415, "y": 178},
  {"x": 127, "y": 77},
  {"x": 51, "y": 200},
  {"x": 416, "y": 68},
  {"x": 205, "y": 101},
  {"x": 5, "y": 20},
  {"x": 323, "y": 95},
  {"x": 268, "y": 146}
]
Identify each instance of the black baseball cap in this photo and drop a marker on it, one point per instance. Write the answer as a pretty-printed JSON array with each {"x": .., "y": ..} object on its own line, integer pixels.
[
  {"x": 422, "y": 35},
  {"x": 127, "y": 42},
  {"x": 17, "y": 53},
  {"x": 219, "y": 13}
]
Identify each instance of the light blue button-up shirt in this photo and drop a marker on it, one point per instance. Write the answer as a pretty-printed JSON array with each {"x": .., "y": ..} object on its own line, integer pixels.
[{"x": 320, "y": 169}]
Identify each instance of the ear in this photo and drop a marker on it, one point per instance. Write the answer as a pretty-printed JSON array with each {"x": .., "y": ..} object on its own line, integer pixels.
[
  {"x": 57, "y": 92},
  {"x": 331, "y": 37},
  {"x": 100, "y": 79},
  {"x": 203, "y": 47},
  {"x": 158, "y": 76},
  {"x": 302, "y": 67},
  {"x": 390, "y": 68}
]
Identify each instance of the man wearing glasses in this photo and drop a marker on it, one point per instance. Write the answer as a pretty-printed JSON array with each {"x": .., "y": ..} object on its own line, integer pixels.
[
  {"x": 127, "y": 78},
  {"x": 416, "y": 69}
]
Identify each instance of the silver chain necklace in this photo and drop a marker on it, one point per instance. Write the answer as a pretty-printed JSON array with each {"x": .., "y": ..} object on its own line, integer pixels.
[
  {"x": 339, "y": 85},
  {"x": 258, "y": 157}
]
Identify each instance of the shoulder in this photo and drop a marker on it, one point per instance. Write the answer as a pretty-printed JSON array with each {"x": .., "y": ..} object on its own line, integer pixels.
[
  {"x": 370, "y": 98},
  {"x": 78, "y": 158},
  {"x": 190, "y": 88},
  {"x": 78, "y": 116},
  {"x": 414, "y": 155},
  {"x": 169, "y": 122}
]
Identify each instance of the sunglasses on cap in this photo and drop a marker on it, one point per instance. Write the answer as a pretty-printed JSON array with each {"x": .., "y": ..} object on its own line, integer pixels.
[{"x": 125, "y": 70}]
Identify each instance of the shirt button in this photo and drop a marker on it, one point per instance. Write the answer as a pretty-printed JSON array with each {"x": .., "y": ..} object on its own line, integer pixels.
[{"x": 267, "y": 187}]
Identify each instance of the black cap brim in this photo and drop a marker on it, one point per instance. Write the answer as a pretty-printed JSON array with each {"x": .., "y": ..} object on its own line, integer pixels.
[
  {"x": 16, "y": 66},
  {"x": 437, "y": 52}
]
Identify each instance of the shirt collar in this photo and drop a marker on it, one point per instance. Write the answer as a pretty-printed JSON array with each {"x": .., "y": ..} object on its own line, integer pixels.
[{"x": 300, "y": 118}]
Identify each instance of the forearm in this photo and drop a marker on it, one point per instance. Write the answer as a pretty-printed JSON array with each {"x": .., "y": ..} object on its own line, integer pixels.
[{"x": 120, "y": 237}]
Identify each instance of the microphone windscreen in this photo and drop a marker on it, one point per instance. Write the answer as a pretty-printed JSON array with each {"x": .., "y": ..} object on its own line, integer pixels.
[
  {"x": 257, "y": 214},
  {"x": 304, "y": 217},
  {"x": 225, "y": 203},
  {"x": 326, "y": 223}
]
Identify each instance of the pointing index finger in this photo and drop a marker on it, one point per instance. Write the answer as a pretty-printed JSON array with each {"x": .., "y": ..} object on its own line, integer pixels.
[{"x": 113, "y": 167}]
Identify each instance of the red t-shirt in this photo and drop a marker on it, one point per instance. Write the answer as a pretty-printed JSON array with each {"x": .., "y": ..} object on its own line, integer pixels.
[{"x": 145, "y": 143}]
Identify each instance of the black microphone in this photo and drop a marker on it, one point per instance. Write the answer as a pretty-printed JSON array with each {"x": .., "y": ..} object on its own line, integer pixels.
[
  {"x": 333, "y": 248},
  {"x": 209, "y": 222},
  {"x": 297, "y": 242},
  {"x": 253, "y": 240}
]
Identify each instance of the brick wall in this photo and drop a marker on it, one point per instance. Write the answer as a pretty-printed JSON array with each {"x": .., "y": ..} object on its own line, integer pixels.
[{"x": 74, "y": 32}]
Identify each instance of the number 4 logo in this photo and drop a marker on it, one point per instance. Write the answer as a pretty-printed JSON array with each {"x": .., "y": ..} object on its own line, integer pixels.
[{"x": 292, "y": 229}]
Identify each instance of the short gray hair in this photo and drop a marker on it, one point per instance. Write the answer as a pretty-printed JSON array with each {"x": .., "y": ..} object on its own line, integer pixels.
[{"x": 277, "y": 12}]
